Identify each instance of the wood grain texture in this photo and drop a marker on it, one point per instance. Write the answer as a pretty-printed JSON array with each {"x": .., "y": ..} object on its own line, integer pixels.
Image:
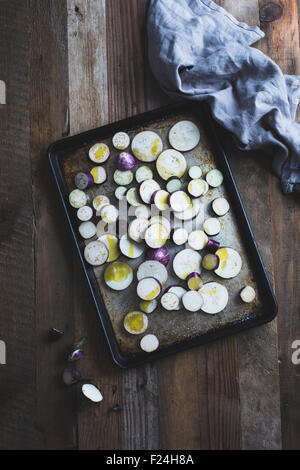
[
  {"x": 17, "y": 377},
  {"x": 282, "y": 44},
  {"x": 56, "y": 420}
]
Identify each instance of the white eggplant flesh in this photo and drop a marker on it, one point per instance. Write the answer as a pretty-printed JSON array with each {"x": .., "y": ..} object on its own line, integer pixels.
[
  {"x": 121, "y": 140},
  {"x": 248, "y": 294},
  {"x": 148, "y": 288},
  {"x": 156, "y": 236},
  {"x": 196, "y": 188},
  {"x": 198, "y": 240},
  {"x": 212, "y": 226},
  {"x": 179, "y": 291},
  {"x": 148, "y": 306},
  {"x": 214, "y": 178},
  {"x": 77, "y": 198},
  {"x": 184, "y": 136},
  {"x": 137, "y": 229},
  {"x": 133, "y": 197},
  {"x": 170, "y": 301},
  {"x": 146, "y": 146},
  {"x": 171, "y": 163},
  {"x": 96, "y": 253},
  {"x": 154, "y": 269},
  {"x": 189, "y": 213},
  {"x": 131, "y": 249},
  {"x": 230, "y": 263},
  {"x": 195, "y": 172},
  {"x": 192, "y": 301},
  {"x": 123, "y": 178},
  {"x": 161, "y": 200},
  {"x": 118, "y": 275},
  {"x": 99, "y": 153},
  {"x": 87, "y": 230},
  {"x": 136, "y": 322},
  {"x": 147, "y": 188},
  {"x": 99, "y": 202},
  {"x": 85, "y": 213},
  {"x": 142, "y": 212},
  {"x": 160, "y": 219},
  {"x": 215, "y": 297},
  {"x": 173, "y": 184},
  {"x": 99, "y": 174},
  {"x": 92, "y": 393},
  {"x": 120, "y": 192},
  {"x": 149, "y": 343},
  {"x": 180, "y": 236},
  {"x": 109, "y": 214},
  {"x": 143, "y": 173},
  {"x": 206, "y": 186},
  {"x": 180, "y": 201},
  {"x": 112, "y": 244},
  {"x": 220, "y": 206},
  {"x": 186, "y": 262}
]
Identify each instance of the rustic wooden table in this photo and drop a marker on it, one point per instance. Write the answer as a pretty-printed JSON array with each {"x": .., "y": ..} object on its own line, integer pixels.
[{"x": 68, "y": 66}]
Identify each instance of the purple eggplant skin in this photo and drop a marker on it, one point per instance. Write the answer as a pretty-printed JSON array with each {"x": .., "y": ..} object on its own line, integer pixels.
[
  {"x": 193, "y": 275},
  {"x": 84, "y": 180},
  {"x": 126, "y": 161},
  {"x": 75, "y": 355},
  {"x": 72, "y": 376},
  {"x": 159, "y": 254},
  {"x": 153, "y": 196},
  {"x": 212, "y": 245}
]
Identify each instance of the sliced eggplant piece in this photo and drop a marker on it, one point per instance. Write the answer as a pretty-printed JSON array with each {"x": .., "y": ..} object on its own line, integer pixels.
[
  {"x": 195, "y": 172},
  {"x": 147, "y": 188},
  {"x": 161, "y": 199},
  {"x": 148, "y": 306},
  {"x": 215, "y": 297},
  {"x": 184, "y": 136},
  {"x": 192, "y": 301},
  {"x": 179, "y": 291},
  {"x": 173, "y": 184},
  {"x": 194, "y": 281},
  {"x": 143, "y": 173},
  {"x": 248, "y": 294},
  {"x": 159, "y": 254},
  {"x": 87, "y": 230},
  {"x": 214, "y": 178},
  {"x": 131, "y": 249},
  {"x": 99, "y": 174},
  {"x": 212, "y": 226},
  {"x": 118, "y": 275},
  {"x": 121, "y": 140},
  {"x": 186, "y": 262},
  {"x": 180, "y": 236},
  {"x": 230, "y": 263},
  {"x": 136, "y": 322},
  {"x": 133, "y": 197},
  {"x": 220, "y": 206},
  {"x": 92, "y": 393},
  {"x": 160, "y": 219},
  {"x": 109, "y": 214},
  {"x": 85, "y": 213},
  {"x": 170, "y": 301},
  {"x": 77, "y": 198},
  {"x": 212, "y": 245},
  {"x": 189, "y": 213},
  {"x": 120, "y": 192},
  {"x": 206, "y": 186},
  {"x": 84, "y": 180},
  {"x": 148, "y": 288},
  {"x": 142, "y": 212},
  {"x": 112, "y": 244},
  {"x": 156, "y": 236},
  {"x": 99, "y": 202},
  {"x": 146, "y": 146},
  {"x": 123, "y": 178},
  {"x": 152, "y": 269},
  {"x": 210, "y": 262},
  {"x": 196, "y": 187},
  {"x": 197, "y": 240},
  {"x": 99, "y": 153},
  {"x": 125, "y": 161},
  {"x": 96, "y": 253},
  {"x": 149, "y": 343},
  {"x": 171, "y": 163},
  {"x": 137, "y": 229},
  {"x": 180, "y": 201}
]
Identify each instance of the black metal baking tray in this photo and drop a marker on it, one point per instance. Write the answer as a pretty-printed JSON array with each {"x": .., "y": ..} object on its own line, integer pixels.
[{"x": 68, "y": 148}]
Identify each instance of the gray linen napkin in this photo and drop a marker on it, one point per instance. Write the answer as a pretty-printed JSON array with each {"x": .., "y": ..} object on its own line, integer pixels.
[{"x": 198, "y": 51}]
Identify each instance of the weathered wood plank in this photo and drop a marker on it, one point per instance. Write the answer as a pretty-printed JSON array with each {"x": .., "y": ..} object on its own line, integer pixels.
[
  {"x": 53, "y": 254},
  {"x": 17, "y": 377},
  {"x": 282, "y": 44}
]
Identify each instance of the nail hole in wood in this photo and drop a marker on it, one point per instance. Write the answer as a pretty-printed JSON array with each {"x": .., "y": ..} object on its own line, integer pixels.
[{"x": 270, "y": 12}]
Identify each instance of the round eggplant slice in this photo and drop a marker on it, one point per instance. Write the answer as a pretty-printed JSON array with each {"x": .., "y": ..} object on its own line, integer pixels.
[
  {"x": 142, "y": 212},
  {"x": 194, "y": 281},
  {"x": 77, "y": 198},
  {"x": 192, "y": 301},
  {"x": 85, "y": 213},
  {"x": 143, "y": 173},
  {"x": 148, "y": 288},
  {"x": 92, "y": 393},
  {"x": 187, "y": 262},
  {"x": 148, "y": 306},
  {"x": 137, "y": 229},
  {"x": 179, "y": 291},
  {"x": 131, "y": 249},
  {"x": 161, "y": 199},
  {"x": 120, "y": 192},
  {"x": 189, "y": 213},
  {"x": 136, "y": 322},
  {"x": 160, "y": 219},
  {"x": 206, "y": 186},
  {"x": 156, "y": 236},
  {"x": 147, "y": 189},
  {"x": 212, "y": 226},
  {"x": 180, "y": 201},
  {"x": 123, "y": 178},
  {"x": 99, "y": 174},
  {"x": 99, "y": 202},
  {"x": 121, "y": 140},
  {"x": 184, "y": 136},
  {"x": 109, "y": 214},
  {"x": 247, "y": 294},
  {"x": 197, "y": 240},
  {"x": 149, "y": 343},
  {"x": 84, "y": 180},
  {"x": 196, "y": 188},
  {"x": 99, "y": 153},
  {"x": 171, "y": 163},
  {"x": 96, "y": 253},
  {"x": 146, "y": 146},
  {"x": 180, "y": 236},
  {"x": 111, "y": 243},
  {"x": 210, "y": 262},
  {"x": 170, "y": 301},
  {"x": 133, "y": 197},
  {"x": 118, "y": 275},
  {"x": 195, "y": 172},
  {"x": 214, "y": 178},
  {"x": 220, "y": 206},
  {"x": 152, "y": 269},
  {"x": 215, "y": 297},
  {"x": 230, "y": 263},
  {"x": 173, "y": 184},
  {"x": 87, "y": 230}
]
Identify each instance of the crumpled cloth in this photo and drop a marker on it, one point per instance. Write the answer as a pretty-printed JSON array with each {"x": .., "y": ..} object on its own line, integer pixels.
[{"x": 198, "y": 51}]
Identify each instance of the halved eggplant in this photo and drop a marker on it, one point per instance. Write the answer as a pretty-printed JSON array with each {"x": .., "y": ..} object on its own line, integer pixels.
[
  {"x": 230, "y": 263},
  {"x": 152, "y": 268},
  {"x": 135, "y": 322},
  {"x": 180, "y": 201},
  {"x": 96, "y": 253},
  {"x": 197, "y": 240},
  {"x": 99, "y": 174},
  {"x": 118, "y": 275},
  {"x": 215, "y": 297},
  {"x": 220, "y": 206},
  {"x": 112, "y": 244},
  {"x": 149, "y": 343},
  {"x": 186, "y": 262},
  {"x": 121, "y": 140},
  {"x": 170, "y": 301},
  {"x": 146, "y": 146},
  {"x": 147, "y": 188},
  {"x": 99, "y": 153},
  {"x": 171, "y": 163},
  {"x": 192, "y": 301},
  {"x": 156, "y": 236},
  {"x": 148, "y": 306},
  {"x": 131, "y": 249},
  {"x": 137, "y": 229},
  {"x": 212, "y": 226},
  {"x": 148, "y": 288},
  {"x": 184, "y": 136}
]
